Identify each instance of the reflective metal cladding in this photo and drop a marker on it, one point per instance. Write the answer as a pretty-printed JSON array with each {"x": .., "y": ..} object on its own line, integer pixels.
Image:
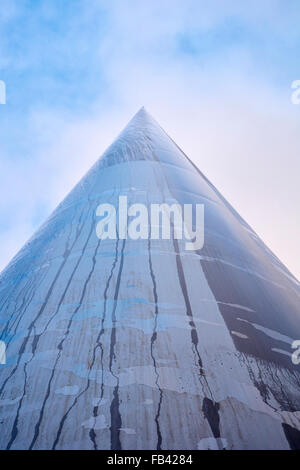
[{"x": 137, "y": 343}]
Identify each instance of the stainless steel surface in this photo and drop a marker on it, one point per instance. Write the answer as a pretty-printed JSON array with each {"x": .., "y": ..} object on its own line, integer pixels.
[{"x": 123, "y": 344}]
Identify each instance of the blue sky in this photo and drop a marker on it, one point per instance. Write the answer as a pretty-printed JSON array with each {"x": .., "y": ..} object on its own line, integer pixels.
[{"x": 217, "y": 75}]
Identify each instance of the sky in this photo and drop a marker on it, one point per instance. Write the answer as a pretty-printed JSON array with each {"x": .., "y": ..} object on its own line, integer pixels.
[{"x": 216, "y": 75}]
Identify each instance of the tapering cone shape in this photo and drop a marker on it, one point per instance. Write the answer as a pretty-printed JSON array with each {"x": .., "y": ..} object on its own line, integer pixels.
[{"x": 140, "y": 344}]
